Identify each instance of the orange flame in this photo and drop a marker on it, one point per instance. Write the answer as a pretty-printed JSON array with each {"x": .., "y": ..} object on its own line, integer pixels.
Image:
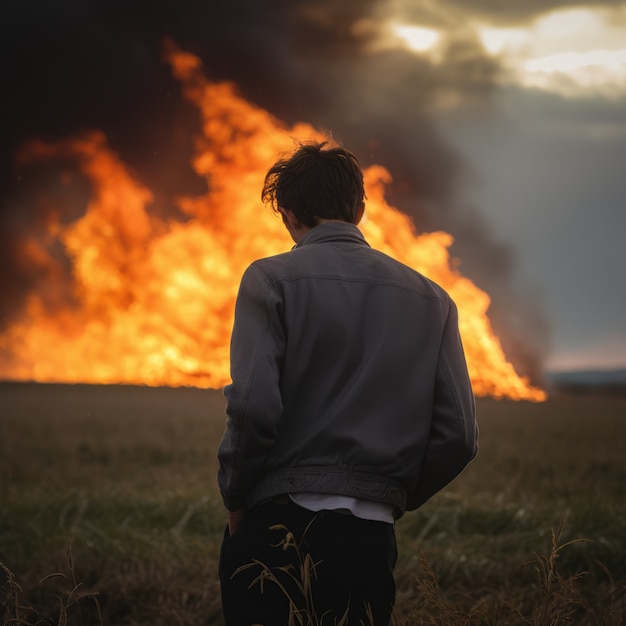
[{"x": 152, "y": 300}]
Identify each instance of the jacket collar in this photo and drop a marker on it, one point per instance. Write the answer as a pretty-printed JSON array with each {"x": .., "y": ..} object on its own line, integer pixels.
[{"x": 332, "y": 231}]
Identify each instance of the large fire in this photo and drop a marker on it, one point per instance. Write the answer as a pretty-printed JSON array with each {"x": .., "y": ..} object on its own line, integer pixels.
[{"x": 151, "y": 301}]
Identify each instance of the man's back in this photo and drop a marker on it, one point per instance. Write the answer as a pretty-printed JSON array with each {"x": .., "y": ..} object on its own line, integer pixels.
[{"x": 360, "y": 337}]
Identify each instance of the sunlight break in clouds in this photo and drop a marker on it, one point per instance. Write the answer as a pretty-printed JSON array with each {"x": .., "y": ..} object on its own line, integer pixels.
[
  {"x": 573, "y": 52},
  {"x": 503, "y": 40},
  {"x": 416, "y": 37},
  {"x": 576, "y": 73}
]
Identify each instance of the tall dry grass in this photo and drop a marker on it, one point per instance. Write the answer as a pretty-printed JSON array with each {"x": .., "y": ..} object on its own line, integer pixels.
[{"x": 534, "y": 532}]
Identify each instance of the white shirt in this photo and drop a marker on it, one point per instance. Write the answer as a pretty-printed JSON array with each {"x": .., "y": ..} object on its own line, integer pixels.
[{"x": 364, "y": 509}]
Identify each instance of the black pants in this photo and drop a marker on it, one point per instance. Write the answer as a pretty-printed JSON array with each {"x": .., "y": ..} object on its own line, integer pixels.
[{"x": 284, "y": 558}]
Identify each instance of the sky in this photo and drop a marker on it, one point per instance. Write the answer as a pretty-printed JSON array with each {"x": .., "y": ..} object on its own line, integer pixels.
[
  {"x": 501, "y": 123},
  {"x": 551, "y": 157}
]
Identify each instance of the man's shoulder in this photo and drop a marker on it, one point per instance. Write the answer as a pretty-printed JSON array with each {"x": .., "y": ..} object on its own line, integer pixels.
[
  {"x": 270, "y": 264},
  {"x": 396, "y": 270},
  {"x": 363, "y": 263}
]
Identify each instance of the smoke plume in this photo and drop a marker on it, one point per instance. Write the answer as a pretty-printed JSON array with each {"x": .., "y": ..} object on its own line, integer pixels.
[{"x": 75, "y": 66}]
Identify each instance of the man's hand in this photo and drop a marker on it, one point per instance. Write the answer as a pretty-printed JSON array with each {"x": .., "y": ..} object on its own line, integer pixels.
[{"x": 234, "y": 519}]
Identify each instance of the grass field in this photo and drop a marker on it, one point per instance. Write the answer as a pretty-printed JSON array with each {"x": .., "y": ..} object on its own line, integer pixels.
[{"x": 109, "y": 513}]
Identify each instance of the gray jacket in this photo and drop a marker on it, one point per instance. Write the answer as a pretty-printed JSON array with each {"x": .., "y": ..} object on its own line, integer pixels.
[{"x": 348, "y": 377}]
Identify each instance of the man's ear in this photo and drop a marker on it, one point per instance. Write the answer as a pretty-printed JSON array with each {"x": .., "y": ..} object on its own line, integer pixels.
[
  {"x": 294, "y": 226},
  {"x": 289, "y": 218},
  {"x": 359, "y": 213}
]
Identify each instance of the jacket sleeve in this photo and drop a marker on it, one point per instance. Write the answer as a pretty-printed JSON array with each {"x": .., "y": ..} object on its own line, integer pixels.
[
  {"x": 453, "y": 438},
  {"x": 254, "y": 404}
]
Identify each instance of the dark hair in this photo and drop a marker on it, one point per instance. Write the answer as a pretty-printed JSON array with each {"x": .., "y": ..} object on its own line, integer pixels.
[{"x": 316, "y": 182}]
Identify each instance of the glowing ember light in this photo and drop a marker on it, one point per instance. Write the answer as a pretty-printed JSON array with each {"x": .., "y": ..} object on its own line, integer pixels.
[{"x": 151, "y": 301}]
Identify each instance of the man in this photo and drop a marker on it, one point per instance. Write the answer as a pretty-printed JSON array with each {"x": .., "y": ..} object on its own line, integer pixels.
[{"x": 350, "y": 404}]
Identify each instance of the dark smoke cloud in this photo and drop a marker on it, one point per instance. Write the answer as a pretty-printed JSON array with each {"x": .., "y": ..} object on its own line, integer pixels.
[{"x": 73, "y": 65}]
